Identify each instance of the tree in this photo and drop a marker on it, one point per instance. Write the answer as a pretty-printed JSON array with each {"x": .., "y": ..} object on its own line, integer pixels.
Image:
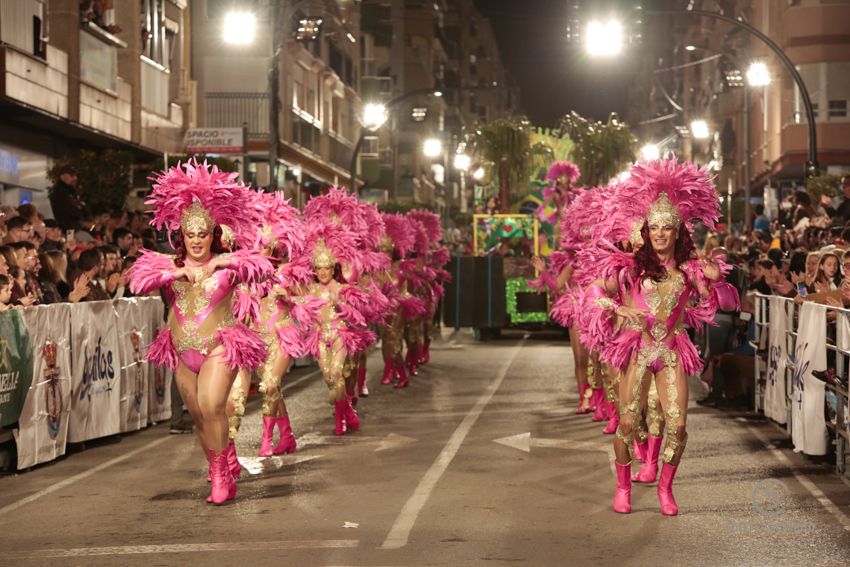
[
  {"x": 506, "y": 144},
  {"x": 104, "y": 178},
  {"x": 601, "y": 150}
]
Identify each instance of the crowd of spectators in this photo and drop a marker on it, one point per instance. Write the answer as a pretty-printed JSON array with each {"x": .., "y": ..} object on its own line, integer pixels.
[{"x": 79, "y": 255}]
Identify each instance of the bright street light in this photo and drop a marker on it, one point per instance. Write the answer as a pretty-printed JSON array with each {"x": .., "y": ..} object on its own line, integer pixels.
[
  {"x": 604, "y": 38},
  {"x": 239, "y": 28},
  {"x": 462, "y": 162},
  {"x": 758, "y": 75},
  {"x": 432, "y": 147},
  {"x": 478, "y": 175},
  {"x": 699, "y": 129},
  {"x": 374, "y": 115},
  {"x": 650, "y": 152},
  {"x": 690, "y": 48}
]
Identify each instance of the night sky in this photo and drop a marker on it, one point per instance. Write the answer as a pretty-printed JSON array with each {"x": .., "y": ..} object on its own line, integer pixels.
[{"x": 554, "y": 77}]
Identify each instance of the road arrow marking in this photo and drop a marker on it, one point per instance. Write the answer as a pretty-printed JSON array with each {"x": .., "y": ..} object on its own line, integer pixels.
[
  {"x": 393, "y": 441},
  {"x": 259, "y": 465},
  {"x": 524, "y": 442}
]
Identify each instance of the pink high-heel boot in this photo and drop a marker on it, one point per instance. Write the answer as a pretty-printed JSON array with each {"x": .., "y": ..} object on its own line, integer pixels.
[
  {"x": 267, "y": 438},
  {"x": 412, "y": 356},
  {"x": 580, "y": 409},
  {"x": 665, "y": 490},
  {"x": 649, "y": 464},
  {"x": 389, "y": 371},
  {"x": 623, "y": 494},
  {"x": 613, "y": 421},
  {"x": 426, "y": 352},
  {"x": 223, "y": 485},
  {"x": 339, "y": 415},
  {"x": 361, "y": 382},
  {"x": 403, "y": 376},
  {"x": 233, "y": 460},
  {"x": 597, "y": 404},
  {"x": 287, "y": 442},
  {"x": 352, "y": 422},
  {"x": 639, "y": 450}
]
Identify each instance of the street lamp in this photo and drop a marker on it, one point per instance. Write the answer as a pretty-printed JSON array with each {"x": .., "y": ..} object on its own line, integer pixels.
[
  {"x": 239, "y": 28},
  {"x": 700, "y": 130},
  {"x": 758, "y": 75},
  {"x": 478, "y": 174},
  {"x": 650, "y": 152},
  {"x": 462, "y": 162},
  {"x": 604, "y": 38},
  {"x": 432, "y": 148},
  {"x": 375, "y": 115}
]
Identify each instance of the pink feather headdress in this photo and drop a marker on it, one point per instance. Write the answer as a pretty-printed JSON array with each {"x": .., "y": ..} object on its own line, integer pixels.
[
  {"x": 563, "y": 169},
  {"x": 421, "y": 245},
  {"x": 283, "y": 228},
  {"x": 400, "y": 233},
  {"x": 430, "y": 222},
  {"x": 196, "y": 195},
  {"x": 337, "y": 206}
]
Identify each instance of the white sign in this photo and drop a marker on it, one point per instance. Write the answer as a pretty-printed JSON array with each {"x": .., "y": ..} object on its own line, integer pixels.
[
  {"x": 159, "y": 377},
  {"x": 808, "y": 427},
  {"x": 775, "y": 402},
  {"x": 134, "y": 334},
  {"x": 213, "y": 141}
]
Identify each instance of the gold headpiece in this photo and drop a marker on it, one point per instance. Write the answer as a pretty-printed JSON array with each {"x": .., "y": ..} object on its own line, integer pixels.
[
  {"x": 635, "y": 237},
  {"x": 268, "y": 238},
  {"x": 663, "y": 213},
  {"x": 322, "y": 256},
  {"x": 196, "y": 218},
  {"x": 227, "y": 237},
  {"x": 386, "y": 244}
]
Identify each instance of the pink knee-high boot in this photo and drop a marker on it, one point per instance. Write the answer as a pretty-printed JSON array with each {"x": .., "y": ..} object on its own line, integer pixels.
[
  {"x": 287, "y": 440},
  {"x": 340, "y": 408},
  {"x": 623, "y": 494},
  {"x": 639, "y": 449},
  {"x": 426, "y": 352},
  {"x": 613, "y": 422},
  {"x": 581, "y": 394},
  {"x": 233, "y": 460},
  {"x": 361, "y": 381},
  {"x": 223, "y": 485},
  {"x": 649, "y": 464},
  {"x": 412, "y": 359},
  {"x": 403, "y": 377},
  {"x": 352, "y": 422},
  {"x": 597, "y": 404},
  {"x": 389, "y": 371},
  {"x": 665, "y": 490},
  {"x": 268, "y": 437}
]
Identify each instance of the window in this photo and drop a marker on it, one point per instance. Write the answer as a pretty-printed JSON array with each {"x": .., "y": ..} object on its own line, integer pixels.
[
  {"x": 838, "y": 109},
  {"x": 297, "y": 89},
  {"x": 154, "y": 40}
]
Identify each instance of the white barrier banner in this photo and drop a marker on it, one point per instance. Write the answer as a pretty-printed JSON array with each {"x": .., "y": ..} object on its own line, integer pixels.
[
  {"x": 134, "y": 331},
  {"x": 775, "y": 400},
  {"x": 96, "y": 364},
  {"x": 159, "y": 378},
  {"x": 808, "y": 427},
  {"x": 43, "y": 426},
  {"x": 842, "y": 341}
]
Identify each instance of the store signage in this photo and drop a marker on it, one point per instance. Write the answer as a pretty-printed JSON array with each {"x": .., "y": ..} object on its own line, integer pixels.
[{"x": 213, "y": 141}]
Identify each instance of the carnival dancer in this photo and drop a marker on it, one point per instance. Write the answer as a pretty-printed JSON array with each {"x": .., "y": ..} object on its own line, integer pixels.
[
  {"x": 655, "y": 291},
  {"x": 203, "y": 342},
  {"x": 416, "y": 275}
]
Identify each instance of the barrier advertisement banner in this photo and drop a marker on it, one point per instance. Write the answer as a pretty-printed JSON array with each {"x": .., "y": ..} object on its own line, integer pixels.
[
  {"x": 159, "y": 378},
  {"x": 43, "y": 426},
  {"x": 775, "y": 400},
  {"x": 134, "y": 332},
  {"x": 96, "y": 364},
  {"x": 15, "y": 366},
  {"x": 842, "y": 341},
  {"x": 808, "y": 427}
]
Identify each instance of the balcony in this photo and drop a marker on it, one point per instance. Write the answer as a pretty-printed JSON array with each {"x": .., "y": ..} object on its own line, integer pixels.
[
  {"x": 232, "y": 110},
  {"x": 341, "y": 152},
  {"x": 306, "y": 134}
]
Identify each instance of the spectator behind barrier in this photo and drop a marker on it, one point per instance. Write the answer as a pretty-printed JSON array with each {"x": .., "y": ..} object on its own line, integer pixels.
[
  {"x": 53, "y": 238},
  {"x": 68, "y": 207},
  {"x": 85, "y": 277},
  {"x": 26, "y": 259},
  {"x": 125, "y": 241},
  {"x": 54, "y": 276},
  {"x": 18, "y": 229},
  {"x": 5, "y": 292}
]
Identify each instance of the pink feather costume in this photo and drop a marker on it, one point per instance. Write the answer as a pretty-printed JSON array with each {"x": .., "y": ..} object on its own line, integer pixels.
[{"x": 202, "y": 315}]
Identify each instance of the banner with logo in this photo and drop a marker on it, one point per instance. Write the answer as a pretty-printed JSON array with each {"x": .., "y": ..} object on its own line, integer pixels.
[
  {"x": 808, "y": 427},
  {"x": 43, "y": 426},
  {"x": 15, "y": 366},
  {"x": 775, "y": 397},
  {"x": 96, "y": 366},
  {"x": 134, "y": 334},
  {"x": 842, "y": 341},
  {"x": 159, "y": 378}
]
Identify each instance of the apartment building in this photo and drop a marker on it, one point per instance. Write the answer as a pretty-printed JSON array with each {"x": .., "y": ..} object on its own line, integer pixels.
[
  {"x": 437, "y": 65},
  {"x": 77, "y": 73},
  {"x": 319, "y": 69},
  {"x": 758, "y": 135}
]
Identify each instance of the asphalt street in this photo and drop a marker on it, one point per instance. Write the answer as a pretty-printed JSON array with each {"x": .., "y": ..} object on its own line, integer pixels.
[{"x": 481, "y": 461}]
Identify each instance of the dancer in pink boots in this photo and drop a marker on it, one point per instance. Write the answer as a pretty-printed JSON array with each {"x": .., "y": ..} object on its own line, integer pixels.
[
  {"x": 204, "y": 342},
  {"x": 654, "y": 292}
]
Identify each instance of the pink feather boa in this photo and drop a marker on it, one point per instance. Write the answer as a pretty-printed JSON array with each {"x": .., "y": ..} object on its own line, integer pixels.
[
  {"x": 151, "y": 272},
  {"x": 356, "y": 339},
  {"x": 161, "y": 351},
  {"x": 413, "y": 307},
  {"x": 291, "y": 340},
  {"x": 243, "y": 347}
]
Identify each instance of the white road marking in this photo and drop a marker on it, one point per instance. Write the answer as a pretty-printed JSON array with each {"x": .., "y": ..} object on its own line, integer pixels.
[
  {"x": 524, "y": 442},
  {"x": 816, "y": 492},
  {"x": 394, "y": 441},
  {"x": 78, "y": 477},
  {"x": 400, "y": 531},
  {"x": 258, "y": 465},
  {"x": 188, "y": 548}
]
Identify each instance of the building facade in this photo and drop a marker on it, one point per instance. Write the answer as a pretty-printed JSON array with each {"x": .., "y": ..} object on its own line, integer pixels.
[{"x": 78, "y": 74}]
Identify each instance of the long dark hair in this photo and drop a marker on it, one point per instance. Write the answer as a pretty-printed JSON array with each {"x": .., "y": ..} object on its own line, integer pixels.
[
  {"x": 647, "y": 263},
  {"x": 337, "y": 274},
  {"x": 180, "y": 246}
]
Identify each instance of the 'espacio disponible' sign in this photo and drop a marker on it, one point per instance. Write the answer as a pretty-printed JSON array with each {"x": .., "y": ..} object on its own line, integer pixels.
[{"x": 213, "y": 141}]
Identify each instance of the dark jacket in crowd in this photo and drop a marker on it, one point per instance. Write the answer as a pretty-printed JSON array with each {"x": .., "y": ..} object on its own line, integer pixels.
[{"x": 67, "y": 206}]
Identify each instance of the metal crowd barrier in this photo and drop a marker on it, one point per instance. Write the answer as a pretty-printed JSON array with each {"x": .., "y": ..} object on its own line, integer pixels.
[{"x": 840, "y": 430}]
